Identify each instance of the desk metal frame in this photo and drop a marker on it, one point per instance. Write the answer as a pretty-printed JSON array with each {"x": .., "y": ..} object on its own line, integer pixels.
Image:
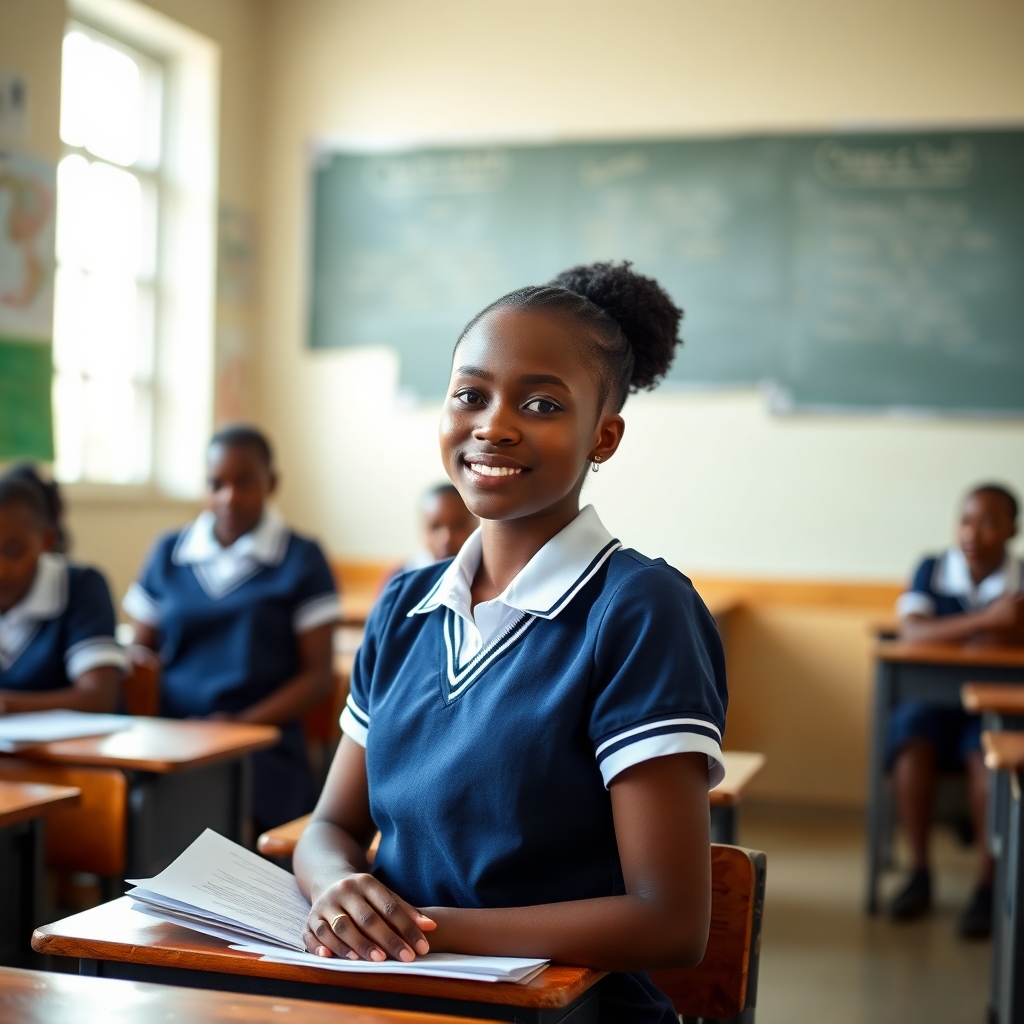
[
  {"x": 583, "y": 1010},
  {"x": 21, "y": 889},
  {"x": 895, "y": 681}
]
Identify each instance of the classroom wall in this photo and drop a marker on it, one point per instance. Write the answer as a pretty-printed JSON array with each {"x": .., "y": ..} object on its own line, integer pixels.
[
  {"x": 113, "y": 527},
  {"x": 709, "y": 480}
]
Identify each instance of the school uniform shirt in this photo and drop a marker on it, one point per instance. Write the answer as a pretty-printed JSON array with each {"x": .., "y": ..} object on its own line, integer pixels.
[
  {"x": 62, "y": 628},
  {"x": 942, "y": 585},
  {"x": 492, "y": 733},
  {"x": 228, "y": 619}
]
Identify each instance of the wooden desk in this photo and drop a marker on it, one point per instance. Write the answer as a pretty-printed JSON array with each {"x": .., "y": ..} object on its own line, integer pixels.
[
  {"x": 932, "y": 673},
  {"x": 114, "y": 941},
  {"x": 993, "y": 698},
  {"x": 1004, "y": 753},
  {"x": 179, "y": 778},
  {"x": 22, "y": 810},
  {"x": 740, "y": 769},
  {"x": 38, "y": 997}
]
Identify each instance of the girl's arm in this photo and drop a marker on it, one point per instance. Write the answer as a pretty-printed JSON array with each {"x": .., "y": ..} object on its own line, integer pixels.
[
  {"x": 311, "y": 685},
  {"x": 999, "y": 622},
  {"x": 95, "y": 690},
  {"x": 662, "y": 827}
]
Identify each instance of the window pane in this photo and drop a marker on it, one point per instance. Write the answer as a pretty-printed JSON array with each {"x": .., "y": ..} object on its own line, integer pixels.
[{"x": 102, "y": 100}]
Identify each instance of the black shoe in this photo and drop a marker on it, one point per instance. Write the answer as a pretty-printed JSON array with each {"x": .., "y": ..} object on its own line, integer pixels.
[
  {"x": 976, "y": 920},
  {"x": 914, "y": 900}
]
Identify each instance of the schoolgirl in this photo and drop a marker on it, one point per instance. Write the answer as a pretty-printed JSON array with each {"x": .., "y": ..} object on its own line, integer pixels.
[
  {"x": 533, "y": 726},
  {"x": 241, "y": 611},
  {"x": 57, "y": 646}
]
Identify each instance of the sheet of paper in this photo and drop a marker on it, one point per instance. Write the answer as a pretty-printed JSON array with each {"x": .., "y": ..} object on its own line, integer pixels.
[
  {"x": 33, "y": 727},
  {"x": 221, "y": 878}
]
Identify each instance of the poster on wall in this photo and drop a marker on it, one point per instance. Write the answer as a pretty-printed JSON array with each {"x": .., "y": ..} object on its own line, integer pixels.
[{"x": 27, "y": 205}]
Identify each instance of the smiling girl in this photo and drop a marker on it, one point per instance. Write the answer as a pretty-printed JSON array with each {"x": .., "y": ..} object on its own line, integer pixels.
[{"x": 533, "y": 726}]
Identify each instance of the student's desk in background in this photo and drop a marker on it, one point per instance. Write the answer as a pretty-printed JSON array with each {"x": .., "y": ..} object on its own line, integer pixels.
[
  {"x": 148, "y": 791},
  {"x": 932, "y": 673},
  {"x": 114, "y": 941},
  {"x": 725, "y": 798},
  {"x": 37, "y": 997},
  {"x": 1004, "y": 753},
  {"x": 23, "y": 806}
]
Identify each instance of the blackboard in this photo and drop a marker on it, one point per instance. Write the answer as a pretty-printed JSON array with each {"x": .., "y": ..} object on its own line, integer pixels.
[{"x": 847, "y": 270}]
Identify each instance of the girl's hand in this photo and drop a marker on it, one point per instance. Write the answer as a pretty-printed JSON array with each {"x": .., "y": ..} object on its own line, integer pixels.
[{"x": 359, "y": 918}]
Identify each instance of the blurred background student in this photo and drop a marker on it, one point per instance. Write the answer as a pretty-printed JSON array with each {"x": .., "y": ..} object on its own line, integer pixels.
[
  {"x": 57, "y": 646},
  {"x": 445, "y": 525},
  {"x": 972, "y": 592},
  {"x": 241, "y": 611}
]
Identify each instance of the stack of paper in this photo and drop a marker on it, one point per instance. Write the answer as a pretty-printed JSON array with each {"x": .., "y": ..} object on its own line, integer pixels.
[
  {"x": 221, "y": 889},
  {"x": 34, "y": 727}
]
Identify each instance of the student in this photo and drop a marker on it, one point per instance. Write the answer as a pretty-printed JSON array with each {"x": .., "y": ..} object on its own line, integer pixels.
[
  {"x": 241, "y": 611},
  {"x": 972, "y": 592},
  {"x": 57, "y": 646},
  {"x": 445, "y": 525},
  {"x": 534, "y": 725}
]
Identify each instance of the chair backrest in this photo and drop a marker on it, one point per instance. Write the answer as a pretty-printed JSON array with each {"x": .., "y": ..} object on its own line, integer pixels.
[
  {"x": 724, "y": 983},
  {"x": 89, "y": 836},
  {"x": 320, "y": 722},
  {"x": 140, "y": 690}
]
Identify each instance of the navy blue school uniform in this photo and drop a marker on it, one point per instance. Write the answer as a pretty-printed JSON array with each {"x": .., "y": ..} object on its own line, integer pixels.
[
  {"x": 62, "y": 628},
  {"x": 492, "y": 734},
  {"x": 228, "y": 620},
  {"x": 942, "y": 585}
]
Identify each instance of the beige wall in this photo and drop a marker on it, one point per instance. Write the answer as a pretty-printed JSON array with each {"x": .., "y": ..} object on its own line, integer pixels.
[{"x": 710, "y": 481}]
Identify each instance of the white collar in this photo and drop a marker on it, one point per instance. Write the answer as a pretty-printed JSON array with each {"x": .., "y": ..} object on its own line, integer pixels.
[
  {"x": 45, "y": 600},
  {"x": 952, "y": 578},
  {"x": 219, "y": 569},
  {"x": 545, "y": 585}
]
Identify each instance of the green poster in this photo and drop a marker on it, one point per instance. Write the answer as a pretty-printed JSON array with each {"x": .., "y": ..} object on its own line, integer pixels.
[{"x": 27, "y": 202}]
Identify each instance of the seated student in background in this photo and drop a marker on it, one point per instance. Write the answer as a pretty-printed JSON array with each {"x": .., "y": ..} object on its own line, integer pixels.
[
  {"x": 972, "y": 592},
  {"x": 445, "y": 525},
  {"x": 242, "y": 611},
  {"x": 533, "y": 725},
  {"x": 57, "y": 646}
]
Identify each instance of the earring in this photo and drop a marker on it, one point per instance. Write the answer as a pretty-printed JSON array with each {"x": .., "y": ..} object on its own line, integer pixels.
[{"x": 596, "y": 464}]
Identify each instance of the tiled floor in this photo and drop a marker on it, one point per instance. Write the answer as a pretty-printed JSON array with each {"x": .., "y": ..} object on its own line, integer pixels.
[{"x": 823, "y": 961}]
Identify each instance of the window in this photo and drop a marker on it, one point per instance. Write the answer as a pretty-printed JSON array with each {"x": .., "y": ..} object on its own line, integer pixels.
[
  {"x": 108, "y": 215},
  {"x": 136, "y": 240}
]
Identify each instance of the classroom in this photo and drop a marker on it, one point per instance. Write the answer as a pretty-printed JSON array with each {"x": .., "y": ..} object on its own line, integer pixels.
[{"x": 291, "y": 423}]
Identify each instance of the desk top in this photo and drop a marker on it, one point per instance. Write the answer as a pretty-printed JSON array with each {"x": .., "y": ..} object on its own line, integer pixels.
[
  {"x": 740, "y": 769},
  {"x": 1003, "y": 750},
  {"x": 20, "y": 801},
  {"x": 902, "y": 651},
  {"x": 1001, "y": 698},
  {"x": 43, "y": 997},
  {"x": 113, "y": 931},
  {"x": 158, "y": 745}
]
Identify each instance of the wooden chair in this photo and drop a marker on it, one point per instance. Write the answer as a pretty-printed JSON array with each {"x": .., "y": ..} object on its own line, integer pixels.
[
  {"x": 723, "y": 986},
  {"x": 89, "y": 836},
  {"x": 140, "y": 690},
  {"x": 320, "y": 724}
]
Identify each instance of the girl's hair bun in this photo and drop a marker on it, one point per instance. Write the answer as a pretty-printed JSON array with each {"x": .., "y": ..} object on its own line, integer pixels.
[{"x": 647, "y": 316}]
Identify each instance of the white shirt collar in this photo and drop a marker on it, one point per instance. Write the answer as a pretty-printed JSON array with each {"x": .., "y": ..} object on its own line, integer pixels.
[
  {"x": 45, "y": 600},
  {"x": 544, "y": 586},
  {"x": 219, "y": 569},
  {"x": 952, "y": 578}
]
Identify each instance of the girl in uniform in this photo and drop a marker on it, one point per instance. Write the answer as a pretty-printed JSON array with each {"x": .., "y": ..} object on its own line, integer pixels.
[
  {"x": 57, "y": 646},
  {"x": 241, "y": 612},
  {"x": 533, "y": 725}
]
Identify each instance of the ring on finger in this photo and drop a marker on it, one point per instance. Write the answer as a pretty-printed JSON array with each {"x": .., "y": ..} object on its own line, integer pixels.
[{"x": 334, "y": 923}]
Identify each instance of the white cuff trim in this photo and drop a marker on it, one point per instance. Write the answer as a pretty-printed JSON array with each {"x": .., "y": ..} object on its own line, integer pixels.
[
  {"x": 661, "y": 746},
  {"x": 96, "y": 652},
  {"x": 913, "y": 602},
  {"x": 140, "y": 606},
  {"x": 316, "y": 612},
  {"x": 355, "y": 722}
]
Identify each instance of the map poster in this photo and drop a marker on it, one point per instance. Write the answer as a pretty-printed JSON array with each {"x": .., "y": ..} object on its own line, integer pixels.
[{"x": 27, "y": 204}]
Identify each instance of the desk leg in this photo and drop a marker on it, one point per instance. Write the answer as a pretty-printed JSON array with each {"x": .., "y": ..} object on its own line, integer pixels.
[
  {"x": 1010, "y": 1004},
  {"x": 723, "y": 824},
  {"x": 997, "y": 829},
  {"x": 876, "y": 770},
  {"x": 21, "y": 890}
]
